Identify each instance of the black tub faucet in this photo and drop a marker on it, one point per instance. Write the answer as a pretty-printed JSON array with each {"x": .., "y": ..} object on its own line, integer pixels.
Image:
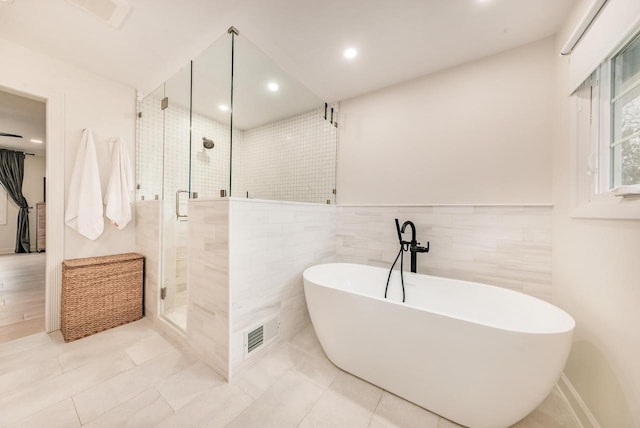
[{"x": 413, "y": 245}]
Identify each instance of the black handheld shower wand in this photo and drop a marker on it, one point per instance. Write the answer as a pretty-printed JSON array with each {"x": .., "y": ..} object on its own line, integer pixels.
[{"x": 404, "y": 246}]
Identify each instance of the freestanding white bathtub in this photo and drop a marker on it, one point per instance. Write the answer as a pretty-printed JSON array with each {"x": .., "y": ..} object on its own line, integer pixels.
[{"x": 479, "y": 355}]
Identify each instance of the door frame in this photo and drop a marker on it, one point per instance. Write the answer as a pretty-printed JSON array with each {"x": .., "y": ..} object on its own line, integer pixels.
[{"x": 55, "y": 149}]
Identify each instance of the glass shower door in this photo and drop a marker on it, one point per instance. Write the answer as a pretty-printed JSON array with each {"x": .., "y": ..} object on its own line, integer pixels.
[{"x": 176, "y": 193}]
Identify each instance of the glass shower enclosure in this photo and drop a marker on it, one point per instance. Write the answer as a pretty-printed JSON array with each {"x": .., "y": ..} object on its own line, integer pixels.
[{"x": 229, "y": 123}]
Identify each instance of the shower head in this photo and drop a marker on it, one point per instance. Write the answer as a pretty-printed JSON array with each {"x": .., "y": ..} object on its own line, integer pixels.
[{"x": 207, "y": 143}]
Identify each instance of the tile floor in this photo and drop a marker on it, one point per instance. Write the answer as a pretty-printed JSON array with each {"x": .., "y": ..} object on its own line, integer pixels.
[
  {"x": 22, "y": 279},
  {"x": 131, "y": 376}
]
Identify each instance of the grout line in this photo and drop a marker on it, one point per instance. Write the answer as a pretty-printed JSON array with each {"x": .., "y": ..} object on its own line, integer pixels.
[
  {"x": 314, "y": 404},
  {"x": 76, "y": 410},
  {"x": 375, "y": 409}
]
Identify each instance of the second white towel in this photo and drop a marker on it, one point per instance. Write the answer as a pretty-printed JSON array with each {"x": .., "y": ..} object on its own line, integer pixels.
[{"x": 120, "y": 188}]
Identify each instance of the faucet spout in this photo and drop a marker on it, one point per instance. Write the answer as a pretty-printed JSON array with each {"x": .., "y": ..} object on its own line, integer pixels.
[{"x": 413, "y": 229}]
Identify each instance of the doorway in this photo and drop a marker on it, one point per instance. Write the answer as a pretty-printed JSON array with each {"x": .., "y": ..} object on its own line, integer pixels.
[{"x": 22, "y": 215}]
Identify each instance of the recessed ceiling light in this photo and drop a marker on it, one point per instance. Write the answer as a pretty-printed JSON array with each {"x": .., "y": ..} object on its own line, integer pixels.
[
  {"x": 273, "y": 87},
  {"x": 6, "y": 1},
  {"x": 223, "y": 107},
  {"x": 33, "y": 140},
  {"x": 350, "y": 53}
]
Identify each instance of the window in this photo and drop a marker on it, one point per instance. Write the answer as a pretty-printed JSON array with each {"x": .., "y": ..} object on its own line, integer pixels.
[
  {"x": 625, "y": 116},
  {"x": 607, "y": 134}
]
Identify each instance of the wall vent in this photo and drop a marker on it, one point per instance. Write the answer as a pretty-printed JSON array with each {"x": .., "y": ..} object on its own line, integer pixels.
[
  {"x": 113, "y": 12},
  {"x": 255, "y": 338},
  {"x": 260, "y": 335}
]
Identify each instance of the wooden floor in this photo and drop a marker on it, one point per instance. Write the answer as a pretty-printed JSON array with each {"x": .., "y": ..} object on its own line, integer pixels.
[{"x": 22, "y": 279}]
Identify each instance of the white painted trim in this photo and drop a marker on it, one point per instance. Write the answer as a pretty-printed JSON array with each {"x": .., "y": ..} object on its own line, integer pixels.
[
  {"x": 447, "y": 205},
  {"x": 55, "y": 209},
  {"x": 273, "y": 201},
  {"x": 55, "y": 148},
  {"x": 579, "y": 410},
  {"x": 608, "y": 206},
  {"x": 3, "y": 206},
  {"x": 261, "y": 201}
]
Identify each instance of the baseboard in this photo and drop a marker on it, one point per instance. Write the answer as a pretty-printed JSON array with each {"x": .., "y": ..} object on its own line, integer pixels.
[
  {"x": 579, "y": 410},
  {"x": 7, "y": 250}
]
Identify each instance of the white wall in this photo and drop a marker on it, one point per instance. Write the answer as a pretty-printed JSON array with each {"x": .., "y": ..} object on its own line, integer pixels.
[
  {"x": 479, "y": 133},
  {"x": 90, "y": 101},
  {"x": 32, "y": 189},
  {"x": 596, "y": 278}
]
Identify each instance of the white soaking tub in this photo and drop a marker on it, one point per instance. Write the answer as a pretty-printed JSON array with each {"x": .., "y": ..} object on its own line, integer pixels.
[{"x": 479, "y": 355}]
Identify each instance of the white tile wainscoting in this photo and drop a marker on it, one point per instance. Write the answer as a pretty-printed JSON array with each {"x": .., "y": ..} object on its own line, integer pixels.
[
  {"x": 246, "y": 259},
  {"x": 503, "y": 245},
  {"x": 148, "y": 244},
  {"x": 271, "y": 244},
  {"x": 208, "y": 317}
]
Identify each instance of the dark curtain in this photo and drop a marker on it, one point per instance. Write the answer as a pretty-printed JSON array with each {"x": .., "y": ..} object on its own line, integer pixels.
[{"x": 11, "y": 175}]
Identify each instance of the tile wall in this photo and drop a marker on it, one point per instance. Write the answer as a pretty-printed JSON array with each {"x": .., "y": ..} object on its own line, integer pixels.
[
  {"x": 246, "y": 258},
  {"x": 208, "y": 317},
  {"x": 272, "y": 243},
  {"x": 149, "y": 148},
  {"x": 148, "y": 244},
  {"x": 293, "y": 159},
  {"x": 162, "y": 158},
  {"x": 290, "y": 159},
  {"x": 508, "y": 246},
  {"x": 245, "y": 266}
]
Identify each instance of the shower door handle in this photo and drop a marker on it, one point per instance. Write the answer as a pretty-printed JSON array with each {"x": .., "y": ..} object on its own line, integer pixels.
[{"x": 178, "y": 215}]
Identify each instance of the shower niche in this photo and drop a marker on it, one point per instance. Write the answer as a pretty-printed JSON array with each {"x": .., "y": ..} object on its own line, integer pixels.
[{"x": 230, "y": 123}]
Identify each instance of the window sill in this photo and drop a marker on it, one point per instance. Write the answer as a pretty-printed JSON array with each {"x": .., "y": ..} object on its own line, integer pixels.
[{"x": 609, "y": 206}]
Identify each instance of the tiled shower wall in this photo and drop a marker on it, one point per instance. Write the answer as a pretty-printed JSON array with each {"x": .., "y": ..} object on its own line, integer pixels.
[
  {"x": 292, "y": 159},
  {"x": 508, "y": 246},
  {"x": 149, "y": 148},
  {"x": 163, "y": 152}
]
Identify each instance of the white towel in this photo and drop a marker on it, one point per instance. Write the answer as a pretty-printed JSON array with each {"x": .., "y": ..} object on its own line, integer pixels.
[
  {"x": 120, "y": 188},
  {"x": 84, "y": 206}
]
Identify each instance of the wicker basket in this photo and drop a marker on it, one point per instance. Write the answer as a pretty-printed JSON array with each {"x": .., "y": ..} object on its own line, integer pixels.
[{"x": 99, "y": 293}]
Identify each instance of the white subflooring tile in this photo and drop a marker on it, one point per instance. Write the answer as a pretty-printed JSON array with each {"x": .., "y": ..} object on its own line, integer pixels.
[{"x": 131, "y": 376}]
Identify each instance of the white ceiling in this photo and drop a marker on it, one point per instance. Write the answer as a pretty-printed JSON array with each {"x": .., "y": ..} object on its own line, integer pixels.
[
  {"x": 397, "y": 39},
  {"x": 25, "y": 117}
]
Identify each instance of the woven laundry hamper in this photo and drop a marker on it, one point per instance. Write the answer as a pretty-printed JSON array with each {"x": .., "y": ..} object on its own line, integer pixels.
[{"x": 99, "y": 293}]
